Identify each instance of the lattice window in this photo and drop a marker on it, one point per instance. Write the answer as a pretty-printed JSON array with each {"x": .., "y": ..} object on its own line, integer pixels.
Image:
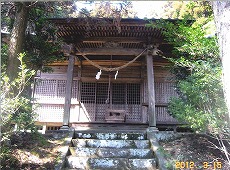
[
  {"x": 101, "y": 97},
  {"x": 133, "y": 93},
  {"x": 45, "y": 89},
  {"x": 54, "y": 89},
  {"x": 102, "y": 93},
  {"x": 88, "y": 91},
  {"x": 100, "y": 111},
  {"x": 50, "y": 113},
  {"x": 75, "y": 89},
  {"x": 123, "y": 96},
  {"x": 134, "y": 102},
  {"x": 164, "y": 91},
  {"x": 163, "y": 116},
  {"x": 119, "y": 94},
  {"x": 61, "y": 88}
]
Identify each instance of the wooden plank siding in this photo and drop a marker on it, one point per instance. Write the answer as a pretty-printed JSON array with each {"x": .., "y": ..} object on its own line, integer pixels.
[{"x": 51, "y": 89}]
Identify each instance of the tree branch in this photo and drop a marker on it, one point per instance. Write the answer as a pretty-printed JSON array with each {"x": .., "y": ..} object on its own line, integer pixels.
[{"x": 32, "y": 4}]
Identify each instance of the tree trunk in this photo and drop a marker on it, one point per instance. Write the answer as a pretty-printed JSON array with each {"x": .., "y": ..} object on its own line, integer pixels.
[
  {"x": 17, "y": 39},
  {"x": 221, "y": 13}
]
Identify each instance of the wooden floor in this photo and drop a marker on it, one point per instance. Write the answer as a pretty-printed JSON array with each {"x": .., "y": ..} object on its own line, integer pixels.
[{"x": 105, "y": 127}]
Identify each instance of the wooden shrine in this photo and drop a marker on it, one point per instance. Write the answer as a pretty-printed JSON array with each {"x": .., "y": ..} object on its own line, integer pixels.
[{"x": 112, "y": 74}]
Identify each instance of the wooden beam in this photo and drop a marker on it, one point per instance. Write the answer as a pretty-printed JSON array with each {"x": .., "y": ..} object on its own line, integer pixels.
[
  {"x": 118, "y": 40},
  {"x": 151, "y": 91},
  {"x": 118, "y": 80},
  {"x": 114, "y": 63},
  {"x": 130, "y": 40},
  {"x": 113, "y": 39},
  {"x": 110, "y": 51},
  {"x": 68, "y": 96},
  {"x": 100, "y": 62}
]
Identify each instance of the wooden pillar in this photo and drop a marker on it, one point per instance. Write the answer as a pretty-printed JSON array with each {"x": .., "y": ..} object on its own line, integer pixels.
[
  {"x": 68, "y": 95},
  {"x": 151, "y": 90}
]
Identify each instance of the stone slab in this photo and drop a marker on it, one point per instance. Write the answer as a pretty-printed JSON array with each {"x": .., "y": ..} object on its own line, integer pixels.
[
  {"x": 110, "y": 163},
  {"x": 111, "y": 135},
  {"x": 111, "y": 153},
  {"x": 96, "y": 143}
]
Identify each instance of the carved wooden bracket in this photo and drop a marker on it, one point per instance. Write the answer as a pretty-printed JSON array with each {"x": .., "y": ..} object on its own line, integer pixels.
[
  {"x": 110, "y": 44},
  {"x": 68, "y": 49},
  {"x": 153, "y": 49}
]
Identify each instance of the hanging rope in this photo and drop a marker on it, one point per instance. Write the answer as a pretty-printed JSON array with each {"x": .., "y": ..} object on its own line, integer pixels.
[
  {"x": 108, "y": 94},
  {"x": 110, "y": 69}
]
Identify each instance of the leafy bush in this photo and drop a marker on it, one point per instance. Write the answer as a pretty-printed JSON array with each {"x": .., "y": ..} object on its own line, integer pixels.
[
  {"x": 197, "y": 69},
  {"x": 201, "y": 102},
  {"x": 4, "y": 56},
  {"x": 7, "y": 159},
  {"x": 16, "y": 108}
]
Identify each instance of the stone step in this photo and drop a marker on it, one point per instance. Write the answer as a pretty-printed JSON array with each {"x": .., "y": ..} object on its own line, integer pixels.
[
  {"x": 111, "y": 152},
  {"x": 112, "y": 136},
  {"x": 96, "y": 143},
  {"x": 110, "y": 163}
]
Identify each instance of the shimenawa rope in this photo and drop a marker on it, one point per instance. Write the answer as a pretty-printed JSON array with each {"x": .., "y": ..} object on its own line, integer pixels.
[{"x": 110, "y": 69}]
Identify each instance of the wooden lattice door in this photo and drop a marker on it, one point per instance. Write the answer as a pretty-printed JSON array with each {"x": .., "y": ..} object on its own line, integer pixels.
[
  {"x": 88, "y": 97},
  {"x": 123, "y": 96}
]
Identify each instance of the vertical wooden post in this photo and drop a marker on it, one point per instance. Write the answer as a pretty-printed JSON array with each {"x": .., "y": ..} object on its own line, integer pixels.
[
  {"x": 143, "y": 92},
  {"x": 151, "y": 90},
  {"x": 68, "y": 95},
  {"x": 79, "y": 71}
]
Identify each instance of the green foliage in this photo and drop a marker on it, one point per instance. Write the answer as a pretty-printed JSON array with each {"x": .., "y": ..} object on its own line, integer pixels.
[
  {"x": 7, "y": 159},
  {"x": 189, "y": 9},
  {"x": 164, "y": 152},
  {"x": 41, "y": 140},
  {"x": 107, "y": 9},
  {"x": 7, "y": 18},
  {"x": 4, "y": 56},
  {"x": 23, "y": 141},
  {"x": 201, "y": 101},
  {"x": 41, "y": 44},
  {"x": 15, "y": 107},
  {"x": 197, "y": 70}
]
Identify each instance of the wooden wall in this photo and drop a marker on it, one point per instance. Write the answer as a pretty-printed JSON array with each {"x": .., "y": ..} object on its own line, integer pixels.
[{"x": 50, "y": 91}]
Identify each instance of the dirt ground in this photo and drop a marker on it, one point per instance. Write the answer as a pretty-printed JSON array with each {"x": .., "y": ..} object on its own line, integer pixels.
[
  {"x": 194, "y": 151},
  {"x": 186, "y": 152},
  {"x": 29, "y": 151}
]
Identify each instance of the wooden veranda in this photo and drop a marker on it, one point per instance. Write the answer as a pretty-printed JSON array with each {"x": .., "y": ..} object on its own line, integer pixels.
[{"x": 133, "y": 82}]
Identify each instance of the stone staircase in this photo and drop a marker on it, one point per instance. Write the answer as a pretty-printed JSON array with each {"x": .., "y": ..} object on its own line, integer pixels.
[{"x": 109, "y": 150}]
